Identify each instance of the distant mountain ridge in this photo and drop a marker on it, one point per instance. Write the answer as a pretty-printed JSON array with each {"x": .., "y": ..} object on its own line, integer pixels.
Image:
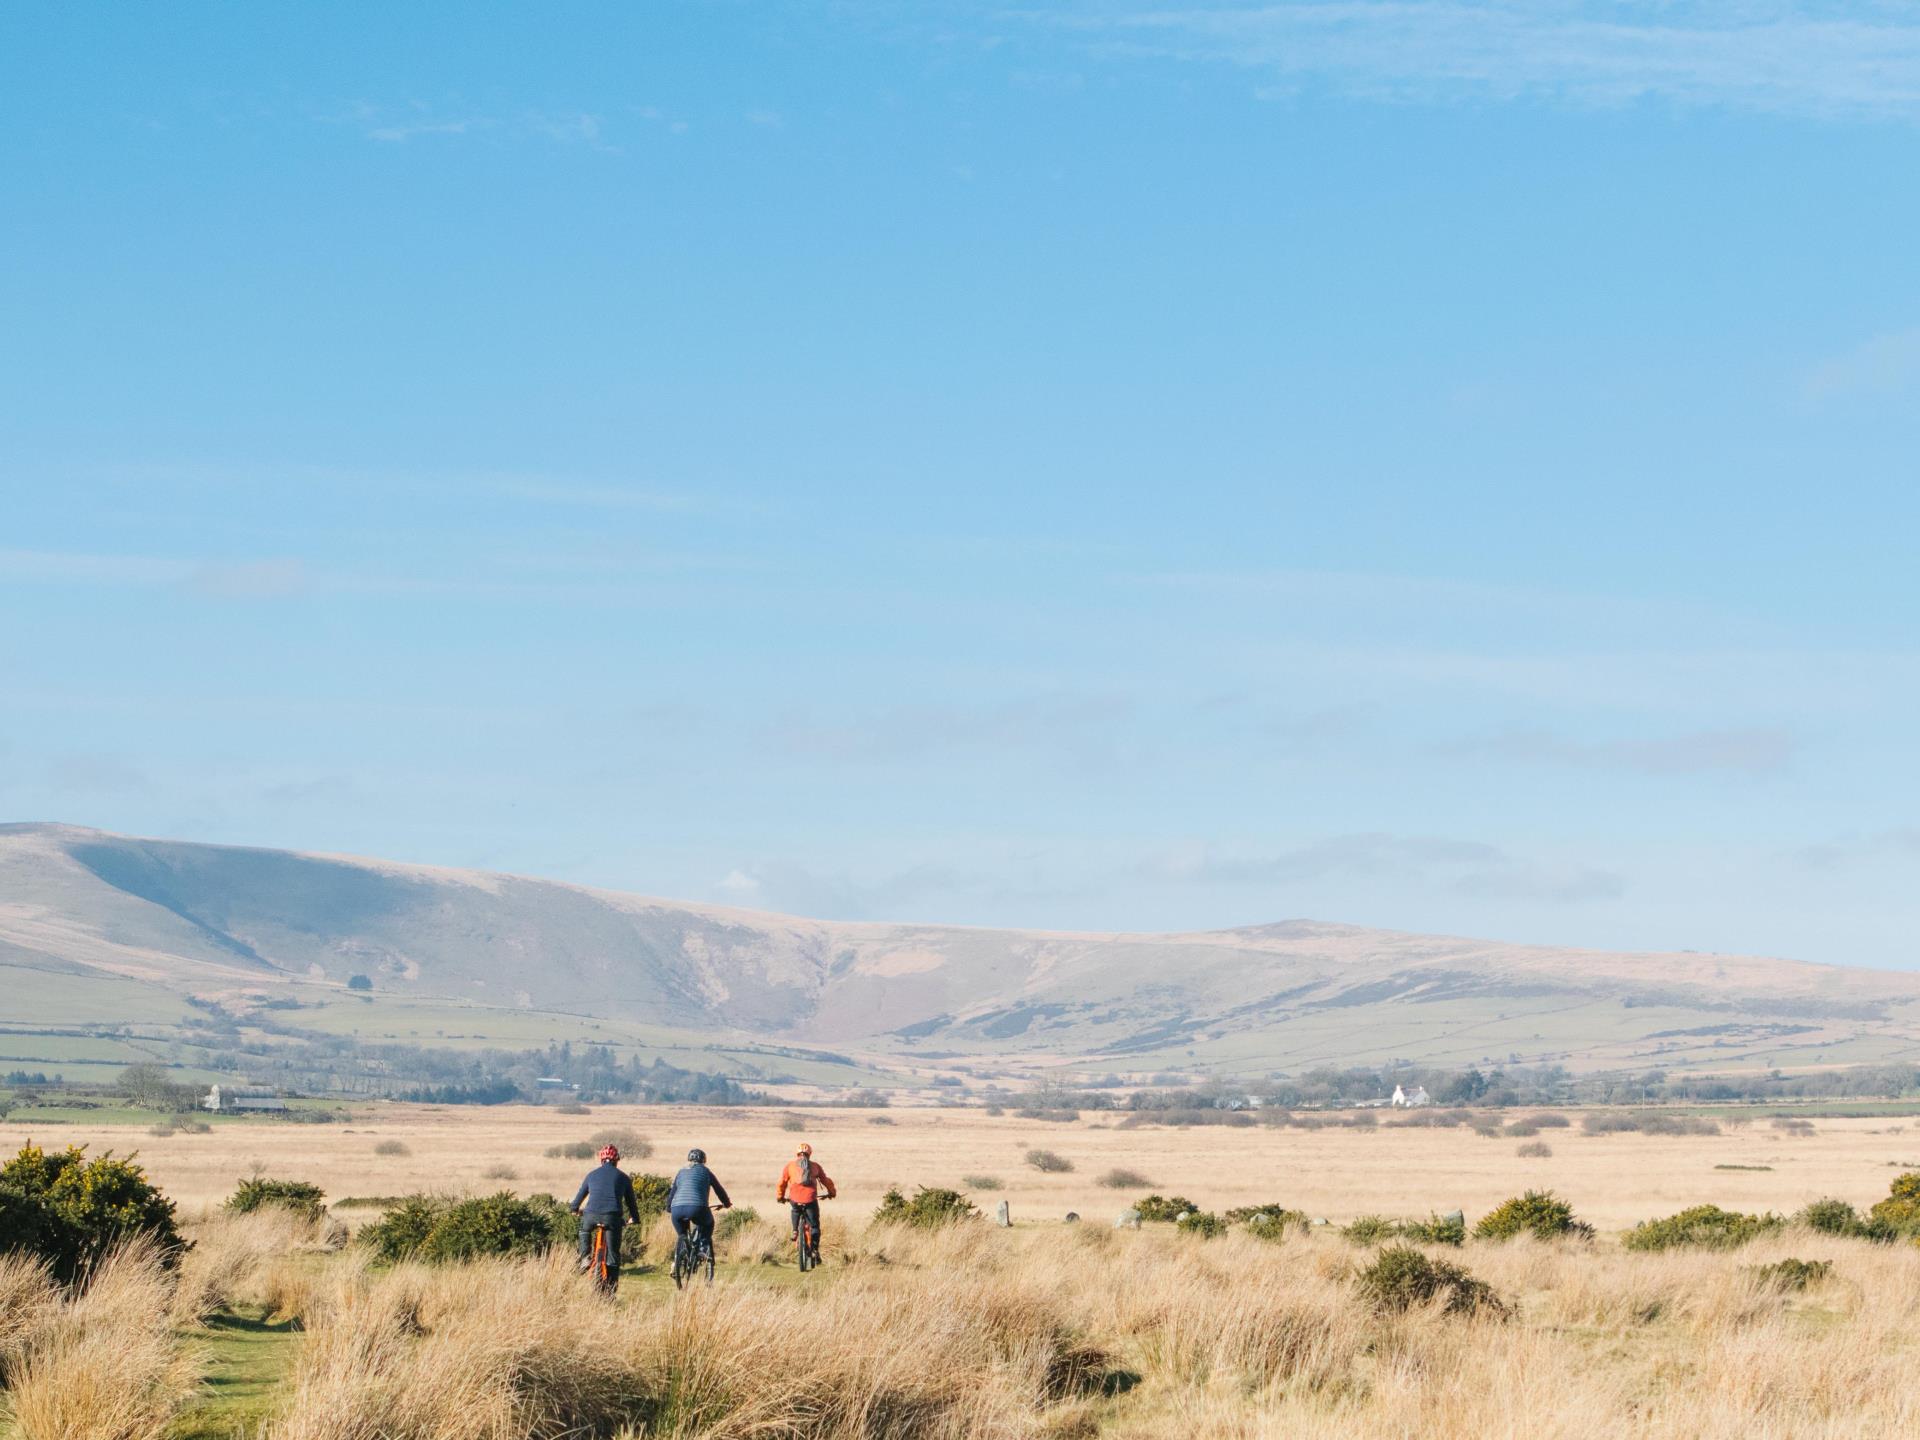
[{"x": 210, "y": 920}]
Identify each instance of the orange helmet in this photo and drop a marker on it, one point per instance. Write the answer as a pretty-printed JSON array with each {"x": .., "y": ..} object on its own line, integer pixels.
[
  {"x": 805, "y": 1149},
  {"x": 609, "y": 1152}
]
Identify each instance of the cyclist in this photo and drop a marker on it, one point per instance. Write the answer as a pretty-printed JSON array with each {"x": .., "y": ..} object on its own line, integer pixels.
[
  {"x": 687, "y": 1201},
  {"x": 800, "y": 1186},
  {"x": 601, "y": 1200}
]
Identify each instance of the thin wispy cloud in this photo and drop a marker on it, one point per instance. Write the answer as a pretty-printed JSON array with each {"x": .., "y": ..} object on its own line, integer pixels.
[
  {"x": 1817, "y": 57},
  {"x": 1470, "y": 868},
  {"x": 1756, "y": 751},
  {"x": 422, "y": 120},
  {"x": 1882, "y": 365},
  {"x": 1900, "y": 843}
]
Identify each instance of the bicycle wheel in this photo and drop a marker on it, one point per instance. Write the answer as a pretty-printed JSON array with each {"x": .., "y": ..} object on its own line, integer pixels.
[
  {"x": 682, "y": 1263},
  {"x": 706, "y": 1256},
  {"x": 807, "y": 1258}
]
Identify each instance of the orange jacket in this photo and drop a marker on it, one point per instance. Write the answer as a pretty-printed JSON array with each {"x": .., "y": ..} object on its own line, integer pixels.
[{"x": 799, "y": 1194}]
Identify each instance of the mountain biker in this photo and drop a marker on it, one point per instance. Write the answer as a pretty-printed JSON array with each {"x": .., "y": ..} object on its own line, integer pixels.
[
  {"x": 800, "y": 1184},
  {"x": 687, "y": 1201},
  {"x": 600, "y": 1201}
]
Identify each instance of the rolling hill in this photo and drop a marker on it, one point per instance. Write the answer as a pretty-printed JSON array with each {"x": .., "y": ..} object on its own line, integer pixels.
[{"x": 97, "y": 928}]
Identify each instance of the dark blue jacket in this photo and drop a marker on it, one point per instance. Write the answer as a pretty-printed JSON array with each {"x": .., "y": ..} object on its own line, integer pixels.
[
  {"x": 691, "y": 1188},
  {"x": 606, "y": 1191}
]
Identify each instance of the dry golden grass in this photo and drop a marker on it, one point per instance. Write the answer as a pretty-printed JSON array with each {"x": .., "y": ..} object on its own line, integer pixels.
[
  {"x": 1045, "y": 1330},
  {"x": 1052, "y": 1331},
  {"x": 104, "y": 1364},
  {"x": 1613, "y": 1180}
]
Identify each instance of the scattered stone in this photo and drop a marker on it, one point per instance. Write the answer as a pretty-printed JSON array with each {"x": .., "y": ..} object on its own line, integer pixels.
[
  {"x": 1003, "y": 1214},
  {"x": 1072, "y": 1216},
  {"x": 1127, "y": 1220}
]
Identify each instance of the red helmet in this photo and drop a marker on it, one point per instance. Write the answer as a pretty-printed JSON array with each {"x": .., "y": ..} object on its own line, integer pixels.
[{"x": 609, "y": 1152}]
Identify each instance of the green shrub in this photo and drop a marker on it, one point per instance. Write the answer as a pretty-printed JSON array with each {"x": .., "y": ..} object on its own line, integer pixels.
[
  {"x": 1705, "y": 1227},
  {"x": 1437, "y": 1230},
  {"x": 984, "y": 1182},
  {"x": 1370, "y": 1230},
  {"x": 650, "y": 1194},
  {"x": 1165, "y": 1210},
  {"x": 1203, "y": 1223},
  {"x": 401, "y": 1232},
  {"x": 1838, "y": 1217},
  {"x": 1790, "y": 1275},
  {"x": 1267, "y": 1216},
  {"x": 732, "y": 1222},
  {"x": 501, "y": 1224},
  {"x": 1123, "y": 1179},
  {"x": 295, "y": 1195},
  {"x": 1540, "y": 1213},
  {"x": 441, "y": 1230},
  {"x": 1899, "y": 1213},
  {"x": 1049, "y": 1162},
  {"x": 1401, "y": 1278},
  {"x": 930, "y": 1207},
  {"x": 70, "y": 1211}
]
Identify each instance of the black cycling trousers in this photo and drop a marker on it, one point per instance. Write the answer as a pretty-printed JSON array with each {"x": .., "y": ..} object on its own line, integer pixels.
[
  {"x": 685, "y": 1222},
  {"x": 612, "y": 1223},
  {"x": 812, "y": 1211}
]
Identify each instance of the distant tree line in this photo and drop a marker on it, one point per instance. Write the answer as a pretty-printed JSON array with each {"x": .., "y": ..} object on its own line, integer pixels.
[{"x": 1507, "y": 1085}]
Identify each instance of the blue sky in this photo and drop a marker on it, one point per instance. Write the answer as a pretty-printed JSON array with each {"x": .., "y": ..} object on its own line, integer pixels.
[{"x": 1440, "y": 465}]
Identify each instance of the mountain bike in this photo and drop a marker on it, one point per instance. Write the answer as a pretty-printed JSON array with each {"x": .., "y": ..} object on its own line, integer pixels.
[
  {"x": 692, "y": 1253},
  {"x": 806, "y": 1237},
  {"x": 606, "y": 1274}
]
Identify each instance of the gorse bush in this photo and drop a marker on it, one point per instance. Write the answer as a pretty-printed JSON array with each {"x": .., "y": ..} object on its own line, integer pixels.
[
  {"x": 1402, "y": 1278},
  {"x": 1203, "y": 1223},
  {"x": 443, "y": 1230},
  {"x": 1838, "y": 1217},
  {"x": 1165, "y": 1210},
  {"x": 732, "y": 1222},
  {"x": 1706, "y": 1227},
  {"x": 1049, "y": 1162},
  {"x": 1370, "y": 1230},
  {"x": 1899, "y": 1213},
  {"x": 296, "y": 1195},
  {"x": 1437, "y": 1229},
  {"x": 1539, "y": 1213},
  {"x": 1434, "y": 1230},
  {"x": 70, "y": 1211},
  {"x": 1791, "y": 1275},
  {"x": 650, "y": 1194},
  {"x": 929, "y": 1208}
]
